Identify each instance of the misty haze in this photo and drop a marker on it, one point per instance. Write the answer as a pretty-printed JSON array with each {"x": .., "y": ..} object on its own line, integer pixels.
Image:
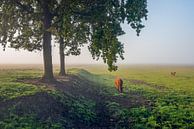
[{"x": 96, "y": 64}]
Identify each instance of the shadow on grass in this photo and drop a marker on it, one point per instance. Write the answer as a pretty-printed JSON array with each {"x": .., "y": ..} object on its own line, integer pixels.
[{"x": 73, "y": 102}]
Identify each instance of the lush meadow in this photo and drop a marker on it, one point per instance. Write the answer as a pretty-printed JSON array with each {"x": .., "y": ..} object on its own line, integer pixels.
[
  {"x": 173, "y": 96},
  {"x": 170, "y": 99}
]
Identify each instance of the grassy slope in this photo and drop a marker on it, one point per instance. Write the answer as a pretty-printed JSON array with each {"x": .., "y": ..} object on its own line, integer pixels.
[
  {"x": 10, "y": 88},
  {"x": 173, "y": 107},
  {"x": 22, "y": 104}
]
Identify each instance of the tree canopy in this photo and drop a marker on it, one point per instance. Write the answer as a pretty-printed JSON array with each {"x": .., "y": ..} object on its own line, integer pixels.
[{"x": 29, "y": 24}]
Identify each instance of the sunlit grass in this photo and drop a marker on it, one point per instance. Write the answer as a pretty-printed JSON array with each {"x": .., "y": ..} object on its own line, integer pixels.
[
  {"x": 9, "y": 86},
  {"x": 160, "y": 75},
  {"x": 172, "y": 105}
]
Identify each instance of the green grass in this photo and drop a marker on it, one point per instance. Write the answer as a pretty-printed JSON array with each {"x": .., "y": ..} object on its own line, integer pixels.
[
  {"x": 10, "y": 88},
  {"x": 27, "y": 122},
  {"x": 184, "y": 80},
  {"x": 79, "y": 109},
  {"x": 173, "y": 106}
]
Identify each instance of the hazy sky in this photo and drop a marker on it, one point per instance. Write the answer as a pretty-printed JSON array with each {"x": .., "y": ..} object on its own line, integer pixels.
[{"x": 168, "y": 38}]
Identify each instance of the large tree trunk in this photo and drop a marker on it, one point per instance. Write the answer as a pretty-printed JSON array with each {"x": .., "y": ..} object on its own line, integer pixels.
[
  {"x": 62, "y": 57},
  {"x": 47, "y": 57}
]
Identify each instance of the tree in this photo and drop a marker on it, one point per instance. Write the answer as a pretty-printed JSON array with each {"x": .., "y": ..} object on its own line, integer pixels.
[
  {"x": 105, "y": 18},
  {"x": 29, "y": 24},
  {"x": 25, "y": 24},
  {"x": 71, "y": 35}
]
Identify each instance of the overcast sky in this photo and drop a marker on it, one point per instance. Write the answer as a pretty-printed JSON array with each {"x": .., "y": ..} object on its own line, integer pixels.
[{"x": 168, "y": 38}]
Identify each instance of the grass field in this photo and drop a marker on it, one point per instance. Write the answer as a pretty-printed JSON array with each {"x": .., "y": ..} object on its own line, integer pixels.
[
  {"x": 173, "y": 97},
  {"x": 152, "y": 98}
]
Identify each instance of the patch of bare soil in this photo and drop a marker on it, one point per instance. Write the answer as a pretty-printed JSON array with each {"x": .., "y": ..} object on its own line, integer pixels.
[{"x": 142, "y": 82}]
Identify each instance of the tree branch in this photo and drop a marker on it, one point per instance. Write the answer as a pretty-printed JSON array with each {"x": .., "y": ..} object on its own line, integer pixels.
[{"x": 26, "y": 8}]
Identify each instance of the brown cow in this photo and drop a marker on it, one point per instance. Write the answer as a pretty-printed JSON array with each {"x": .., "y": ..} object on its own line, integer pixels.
[
  {"x": 173, "y": 73},
  {"x": 119, "y": 84}
]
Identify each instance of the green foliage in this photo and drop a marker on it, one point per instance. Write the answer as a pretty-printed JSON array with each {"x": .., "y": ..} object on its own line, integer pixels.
[
  {"x": 164, "y": 115},
  {"x": 81, "y": 111},
  {"x": 172, "y": 106},
  {"x": 71, "y": 32},
  {"x": 19, "y": 26},
  {"x": 136, "y": 10},
  {"x": 13, "y": 90},
  {"x": 119, "y": 116},
  {"x": 27, "y": 122},
  {"x": 174, "y": 113},
  {"x": 106, "y": 45},
  {"x": 140, "y": 117},
  {"x": 24, "y": 24},
  {"x": 10, "y": 89},
  {"x": 105, "y": 33}
]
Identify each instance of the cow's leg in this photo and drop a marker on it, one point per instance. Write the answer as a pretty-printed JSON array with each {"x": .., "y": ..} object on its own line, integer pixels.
[
  {"x": 118, "y": 89},
  {"x": 121, "y": 87}
]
